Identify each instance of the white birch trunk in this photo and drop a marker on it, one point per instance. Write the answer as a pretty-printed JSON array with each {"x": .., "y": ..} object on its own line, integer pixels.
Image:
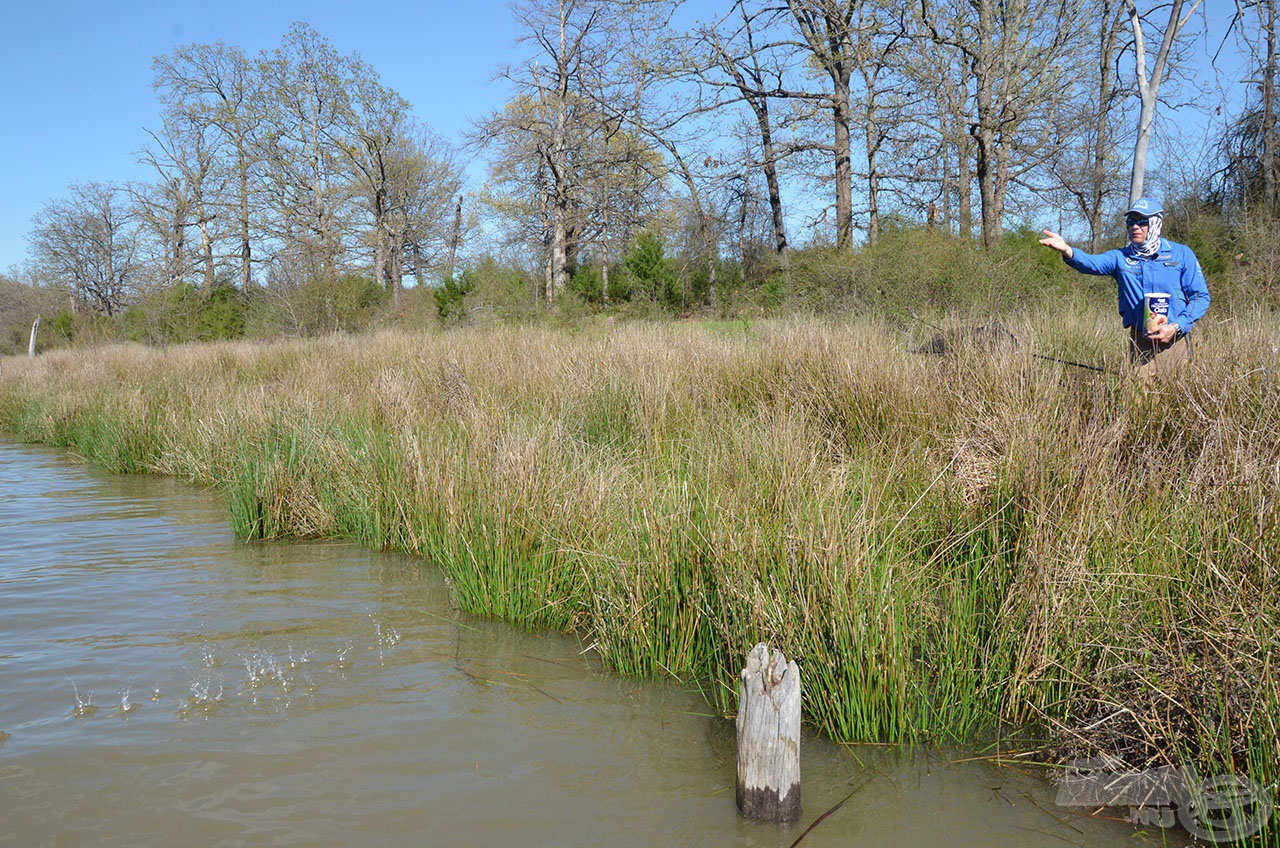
[{"x": 1149, "y": 86}]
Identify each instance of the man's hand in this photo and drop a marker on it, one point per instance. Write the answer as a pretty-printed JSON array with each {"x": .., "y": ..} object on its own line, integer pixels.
[
  {"x": 1164, "y": 333},
  {"x": 1057, "y": 242}
]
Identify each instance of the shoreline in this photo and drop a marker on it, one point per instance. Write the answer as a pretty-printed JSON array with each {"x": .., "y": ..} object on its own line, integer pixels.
[{"x": 951, "y": 546}]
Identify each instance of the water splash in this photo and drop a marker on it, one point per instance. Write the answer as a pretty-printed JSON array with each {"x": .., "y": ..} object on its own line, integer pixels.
[
  {"x": 126, "y": 706},
  {"x": 299, "y": 660},
  {"x": 345, "y": 660},
  {"x": 201, "y": 699},
  {"x": 284, "y": 681},
  {"x": 384, "y": 638},
  {"x": 273, "y": 682},
  {"x": 388, "y": 637},
  {"x": 84, "y": 707},
  {"x": 260, "y": 668}
]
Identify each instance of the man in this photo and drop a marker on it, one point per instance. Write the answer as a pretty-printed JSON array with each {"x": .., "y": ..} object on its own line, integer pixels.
[{"x": 1148, "y": 263}]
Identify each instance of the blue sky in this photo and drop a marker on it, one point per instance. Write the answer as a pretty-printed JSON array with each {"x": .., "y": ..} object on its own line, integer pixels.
[{"x": 76, "y": 91}]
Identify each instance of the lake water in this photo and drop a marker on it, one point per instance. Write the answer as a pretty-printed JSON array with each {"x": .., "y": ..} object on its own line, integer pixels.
[{"x": 164, "y": 684}]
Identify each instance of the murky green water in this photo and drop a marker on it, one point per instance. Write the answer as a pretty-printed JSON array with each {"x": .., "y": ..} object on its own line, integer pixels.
[{"x": 164, "y": 684}]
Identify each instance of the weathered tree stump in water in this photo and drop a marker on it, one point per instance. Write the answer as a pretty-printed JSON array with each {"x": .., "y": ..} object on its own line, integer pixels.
[{"x": 769, "y": 737}]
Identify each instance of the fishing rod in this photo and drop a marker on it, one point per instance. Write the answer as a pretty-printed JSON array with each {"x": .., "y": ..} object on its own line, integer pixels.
[
  {"x": 1097, "y": 368},
  {"x": 941, "y": 345}
]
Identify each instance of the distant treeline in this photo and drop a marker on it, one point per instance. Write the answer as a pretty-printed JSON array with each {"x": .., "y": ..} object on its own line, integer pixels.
[{"x": 910, "y": 273}]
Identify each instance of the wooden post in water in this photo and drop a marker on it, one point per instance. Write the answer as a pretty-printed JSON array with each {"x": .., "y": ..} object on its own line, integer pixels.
[
  {"x": 31, "y": 346},
  {"x": 769, "y": 737}
]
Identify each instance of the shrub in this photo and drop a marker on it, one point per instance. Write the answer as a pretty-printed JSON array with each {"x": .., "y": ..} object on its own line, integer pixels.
[
  {"x": 450, "y": 293},
  {"x": 653, "y": 275},
  {"x": 588, "y": 283},
  {"x": 184, "y": 313},
  {"x": 346, "y": 303},
  {"x": 222, "y": 315},
  {"x": 505, "y": 291}
]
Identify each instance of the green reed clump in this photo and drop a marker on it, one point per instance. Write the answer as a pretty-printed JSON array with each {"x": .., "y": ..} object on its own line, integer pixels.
[{"x": 952, "y": 546}]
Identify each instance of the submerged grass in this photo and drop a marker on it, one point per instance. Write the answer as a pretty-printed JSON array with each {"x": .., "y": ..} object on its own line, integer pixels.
[{"x": 953, "y": 547}]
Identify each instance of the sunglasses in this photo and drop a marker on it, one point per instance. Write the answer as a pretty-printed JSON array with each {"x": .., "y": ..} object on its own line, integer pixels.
[{"x": 1137, "y": 222}]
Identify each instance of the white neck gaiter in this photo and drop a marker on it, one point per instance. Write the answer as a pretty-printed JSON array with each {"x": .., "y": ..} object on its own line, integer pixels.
[{"x": 1151, "y": 246}]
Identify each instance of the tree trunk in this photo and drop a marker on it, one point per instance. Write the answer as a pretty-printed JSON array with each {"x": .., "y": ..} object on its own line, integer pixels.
[
  {"x": 987, "y": 171},
  {"x": 1002, "y": 187},
  {"x": 544, "y": 291},
  {"x": 31, "y": 345},
  {"x": 382, "y": 244},
  {"x": 844, "y": 161},
  {"x": 964, "y": 184},
  {"x": 1098, "y": 170},
  {"x": 873, "y": 177},
  {"x": 454, "y": 235},
  {"x": 380, "y": 262},
  {"x": 206, "y": 251},
  {"x": 395, "y": 265},
  {"x": 242, "y": 165},
  {"x": 177, "y": 251},
  {"x": 559, "y": 249},
  {"x": 1149, "y": 87},
  {"x": 770, "y": 167},
  {"x": 986, "y": 130},
  {"x": 872, "y": 139},
  {"x": 947, "y": 185},
  {"x": 1146, "y": 117},
  {"x": 1270, "y": 183},
  {"x": 418, "y": 276},
  {"x": 557, "y": 162}
]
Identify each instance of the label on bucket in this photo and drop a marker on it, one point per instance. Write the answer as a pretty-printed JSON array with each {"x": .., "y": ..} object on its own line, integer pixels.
[{"x": 1155, "y": 310}]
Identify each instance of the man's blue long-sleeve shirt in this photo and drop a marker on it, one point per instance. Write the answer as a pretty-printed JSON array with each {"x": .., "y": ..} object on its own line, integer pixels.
[{"x": 1174, "y": 269}]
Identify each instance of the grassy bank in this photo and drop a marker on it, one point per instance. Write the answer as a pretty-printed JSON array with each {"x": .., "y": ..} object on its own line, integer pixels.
[{"x": 953, "y": 546}]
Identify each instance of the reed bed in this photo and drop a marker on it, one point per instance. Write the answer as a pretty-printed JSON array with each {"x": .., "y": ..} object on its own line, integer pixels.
[{"x": 980, "y": 547}]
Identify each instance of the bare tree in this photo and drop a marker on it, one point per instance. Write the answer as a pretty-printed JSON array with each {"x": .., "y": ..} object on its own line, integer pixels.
[
  {"x": 739, "y": 55},
  {"x": 307, "y": 107},
  {"x": 1020, "y": 60},
  {"x": 1270, "y": 134},
  {"x": 376, "y": 144},
  {"x": 931, "y": 150},
  {"x": 186, "y": 194},
  {"x": 1088, "y": 171},
  {"x": 87, "y": 244},
  {"x": 1248, "y": 153},
  {"x": 827, "y": 28},
  {"x": 215, "y": 87},
  {"x": 20, "y": 304},
  {"x": 565, "y": 158},
  {"x": 428, "y": 185},
  {"x": 1149, "y": 82},
  {"x": 164, "y": 213},
  {"x": 881, "y": 36}
]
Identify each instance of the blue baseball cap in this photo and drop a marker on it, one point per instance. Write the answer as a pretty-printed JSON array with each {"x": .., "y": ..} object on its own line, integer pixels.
[{"x": 1146, "y": 206}]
